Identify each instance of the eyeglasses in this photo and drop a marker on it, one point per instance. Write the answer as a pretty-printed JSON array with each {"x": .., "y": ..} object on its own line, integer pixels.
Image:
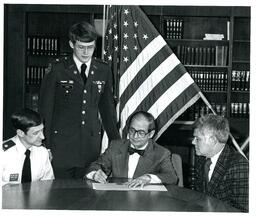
[{"x": 140, "y": 133}]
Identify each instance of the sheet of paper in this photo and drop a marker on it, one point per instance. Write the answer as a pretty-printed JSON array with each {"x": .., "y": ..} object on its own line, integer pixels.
[{"x": 121, "y": 187}]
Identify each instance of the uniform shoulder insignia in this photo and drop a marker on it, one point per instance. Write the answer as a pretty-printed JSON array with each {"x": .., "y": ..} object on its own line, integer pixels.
[{"x": 8, "y": 144}]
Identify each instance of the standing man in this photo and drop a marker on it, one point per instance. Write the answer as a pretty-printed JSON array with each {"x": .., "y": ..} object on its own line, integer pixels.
[
  {"x": 76, "y": 94},
  {"x": 138, "y": 158},
  {"x": 221, "y": 171},
  {"x": 24, "y": 157}
]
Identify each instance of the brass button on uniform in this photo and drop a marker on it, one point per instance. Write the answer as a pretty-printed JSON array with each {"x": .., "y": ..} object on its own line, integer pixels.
[
  {"x": 83, "y": 122},
  {"x": 84, "y": 101},
  {"x": 83, "y": 112}
]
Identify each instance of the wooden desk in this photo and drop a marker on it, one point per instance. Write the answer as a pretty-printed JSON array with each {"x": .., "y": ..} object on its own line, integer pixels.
[{"x": 79, "y": 195}]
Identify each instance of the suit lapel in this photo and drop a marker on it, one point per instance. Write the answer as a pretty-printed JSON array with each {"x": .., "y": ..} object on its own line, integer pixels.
[
  {"x": 72, "y": 70},
  {"x": 145, "y": 161},
  {"x": 121, "y": 160},
  {"x": 219, "y": 170}
]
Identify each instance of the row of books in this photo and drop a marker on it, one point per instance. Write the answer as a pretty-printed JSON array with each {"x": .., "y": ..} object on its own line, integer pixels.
[
  {"x": 199, "y": 109},
  {"x": 35, "y": 74},
  {"x": 39, "y": 45},
  {"x": 240, "y": 110},
  {"x": 210, "y": 80},
  {"x": 240, "y": 80},
  {"x": 173, "y": 28},
  {"x": 31, "y": 101},
  {"x": 214, "y": 55}
]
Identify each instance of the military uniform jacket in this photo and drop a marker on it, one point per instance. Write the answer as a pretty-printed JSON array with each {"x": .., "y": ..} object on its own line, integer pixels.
[
  {"x": 13, "y": 157},
  {"x": 156, "y": 160},
  {"x": 71, "y": 111},
  {"x": 230, "y": 178}
]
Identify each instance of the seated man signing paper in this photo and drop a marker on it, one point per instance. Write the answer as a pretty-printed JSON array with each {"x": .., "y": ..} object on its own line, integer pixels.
[{"x": 137, "y": 157}]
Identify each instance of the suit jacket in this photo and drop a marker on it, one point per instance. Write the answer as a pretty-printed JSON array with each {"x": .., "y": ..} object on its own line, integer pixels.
[
  {"x": 229, "y": 181},
  {"x": 71, "y": 111},
  {"x": 156, "y": 160}
]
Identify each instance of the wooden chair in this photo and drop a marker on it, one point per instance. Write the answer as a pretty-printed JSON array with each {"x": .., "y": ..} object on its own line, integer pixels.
[{"x": 177, "y": 164}]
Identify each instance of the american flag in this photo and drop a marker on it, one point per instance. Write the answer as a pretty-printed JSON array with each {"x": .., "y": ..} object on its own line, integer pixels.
[{"x": 147, "y": 74}]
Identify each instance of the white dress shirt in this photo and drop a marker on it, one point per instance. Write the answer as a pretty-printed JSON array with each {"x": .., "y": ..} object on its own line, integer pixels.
[
  {"x": 78, "y": 65},
  {"x": 13, "y": 159},
  {"x": 214, "y": 160},
  {"x": 132, "y": 164}
]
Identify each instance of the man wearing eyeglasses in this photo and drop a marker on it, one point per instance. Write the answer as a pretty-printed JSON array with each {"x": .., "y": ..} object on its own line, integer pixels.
[
  {"x": 75, "y": 98},
  {"x": 138, "y": 158}
]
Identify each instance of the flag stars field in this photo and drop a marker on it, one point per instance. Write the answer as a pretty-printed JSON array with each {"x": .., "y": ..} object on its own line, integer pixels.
[
  {"x": 147, "y": 72},
  {"x": 126, "y": 23},
  {"x": 126, "y": 59}
]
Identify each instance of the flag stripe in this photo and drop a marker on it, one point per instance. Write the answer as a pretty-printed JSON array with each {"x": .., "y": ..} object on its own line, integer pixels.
[
  {"x": 146, "y": 54},
  {"x": 148, "y": 75},
  {"x": 145, "y": 72},
  {"x": 177, "y": 104},
  {"x": 156, "y": 76},
  {"x": 169, "y": 121},
  {"x": 171, "y": 94}
]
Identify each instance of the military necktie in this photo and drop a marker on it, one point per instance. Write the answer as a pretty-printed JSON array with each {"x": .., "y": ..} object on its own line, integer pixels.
[
  {"x": 83, "y": 75},
  {"x": 26, "y": 170},
  {"x": 207, "y": 164}
]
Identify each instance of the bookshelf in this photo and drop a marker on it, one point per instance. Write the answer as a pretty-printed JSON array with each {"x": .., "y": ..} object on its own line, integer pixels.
[
  {"x": 213, "y": 43},
  {"x": 47, "y": 39},
  {"x": 220, "y": 65},
  {"x": 35, "y": 35}
]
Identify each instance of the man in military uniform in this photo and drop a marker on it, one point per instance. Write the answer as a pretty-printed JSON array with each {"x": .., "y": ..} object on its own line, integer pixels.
[
  {"x": 75, "y": 96},
  {"x": 24, "y": 159}
]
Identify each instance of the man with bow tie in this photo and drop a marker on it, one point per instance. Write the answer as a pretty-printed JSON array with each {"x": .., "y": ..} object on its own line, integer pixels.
[{"x": 138, "y": 158}]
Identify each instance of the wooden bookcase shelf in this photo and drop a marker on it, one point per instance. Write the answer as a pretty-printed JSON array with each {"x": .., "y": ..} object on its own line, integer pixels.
[{"x": 225, "y": 84}]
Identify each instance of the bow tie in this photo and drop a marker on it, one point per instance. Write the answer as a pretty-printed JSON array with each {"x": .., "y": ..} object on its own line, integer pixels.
[{"x": 132, "y": 151}]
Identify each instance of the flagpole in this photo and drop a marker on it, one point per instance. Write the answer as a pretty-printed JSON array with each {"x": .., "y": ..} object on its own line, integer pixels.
[
  {"x": 103, "y": 32},
  {"x": 105, "y": 140},
  {"x": 231, "y": 136}
]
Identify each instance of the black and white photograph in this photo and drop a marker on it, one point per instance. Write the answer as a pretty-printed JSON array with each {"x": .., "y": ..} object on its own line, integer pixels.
[{"x": 127, "y": 108}]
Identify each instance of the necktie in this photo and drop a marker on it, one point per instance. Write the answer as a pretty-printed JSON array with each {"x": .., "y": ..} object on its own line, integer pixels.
[
  {"x": 207, "y": 164},
  {"x": 26, "y": 170},
  {"x": 132, "y": 151},
  {"x": 83, "y": 68}
]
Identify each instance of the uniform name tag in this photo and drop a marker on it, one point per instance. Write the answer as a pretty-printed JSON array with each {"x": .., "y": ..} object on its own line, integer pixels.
[{"x": 14, "y": 177}]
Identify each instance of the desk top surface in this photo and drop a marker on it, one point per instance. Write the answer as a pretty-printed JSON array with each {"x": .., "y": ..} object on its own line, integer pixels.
[{"x": 79, "y": 195}]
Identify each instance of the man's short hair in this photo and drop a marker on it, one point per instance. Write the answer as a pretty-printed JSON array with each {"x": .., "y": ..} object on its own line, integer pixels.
[
  {"x": 149, "y": 117},
  {"x": 214, "y": 124},
  {"x": 25, "y": 119},
  {"x": 83, "y": 32}
]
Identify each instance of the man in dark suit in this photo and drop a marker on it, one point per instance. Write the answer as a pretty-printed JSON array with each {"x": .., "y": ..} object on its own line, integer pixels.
[
  {"x": 151, "y": 165},
  {"x": 75, "y": 96},
  {"x": 226, "y": 176}
]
